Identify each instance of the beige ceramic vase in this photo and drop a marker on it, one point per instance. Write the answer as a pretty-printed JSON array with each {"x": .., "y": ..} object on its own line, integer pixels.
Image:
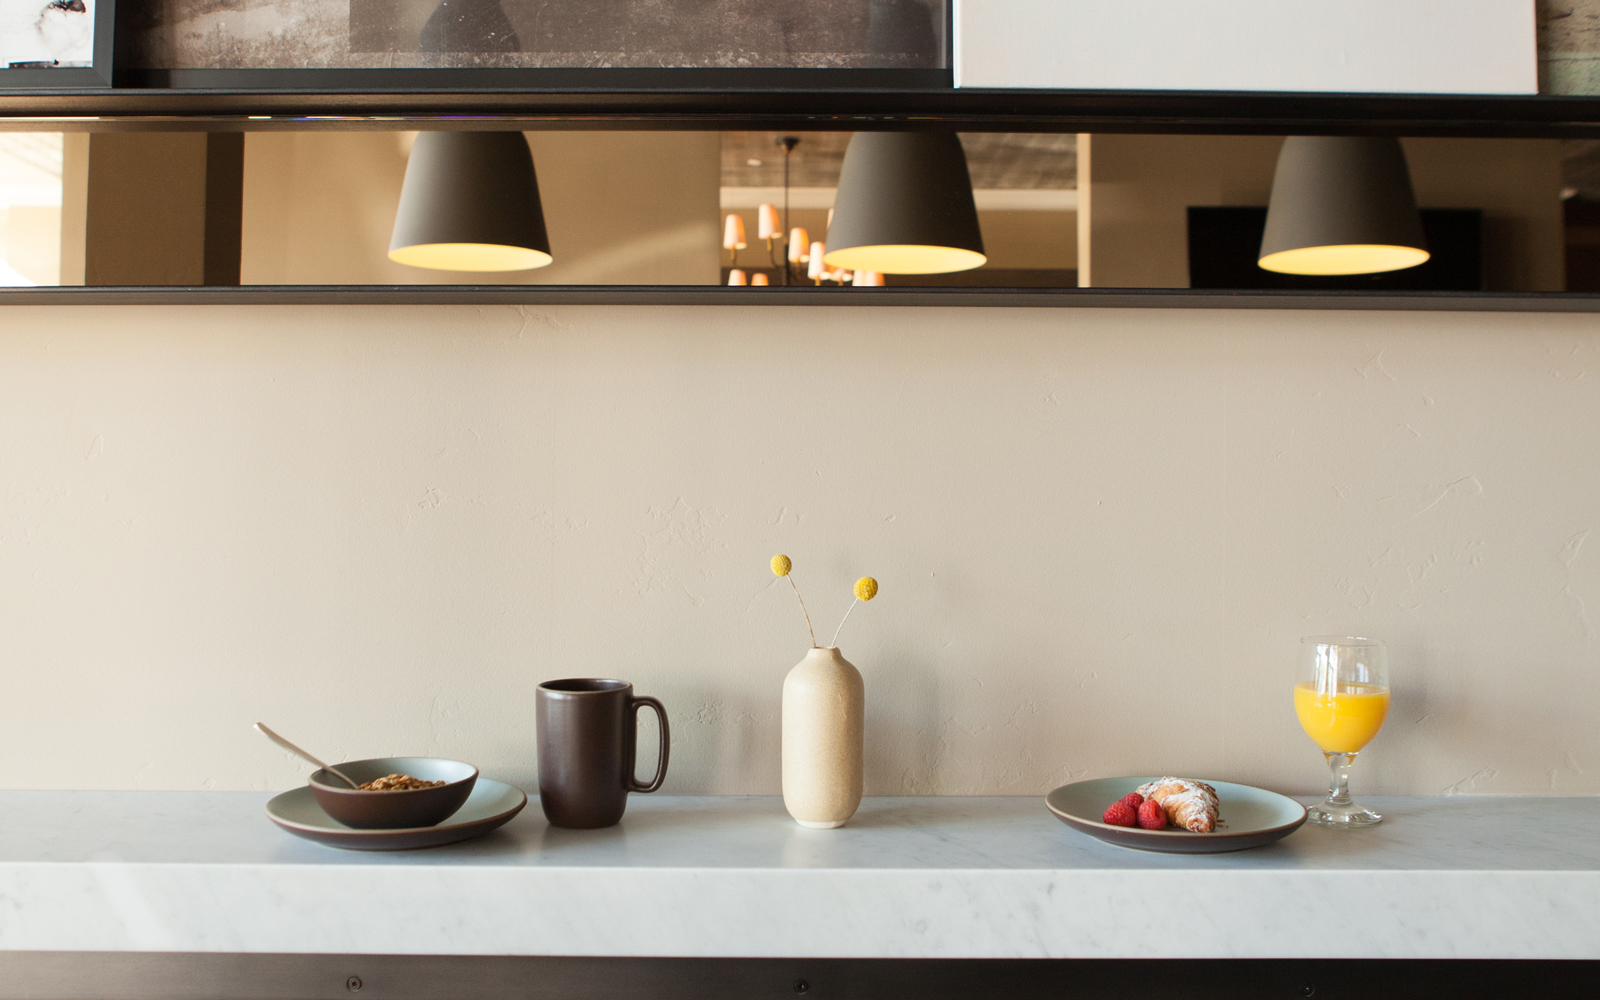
[{"x": 824, "y": 739}]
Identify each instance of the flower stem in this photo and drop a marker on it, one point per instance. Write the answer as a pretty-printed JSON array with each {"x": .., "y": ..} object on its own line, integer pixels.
[
  {"x": 803, "y": 611},
  {"x": 844, "y": 619}
]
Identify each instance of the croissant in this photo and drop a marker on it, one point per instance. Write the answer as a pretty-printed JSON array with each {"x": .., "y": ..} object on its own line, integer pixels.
[{"x": 1191, "y": 805}]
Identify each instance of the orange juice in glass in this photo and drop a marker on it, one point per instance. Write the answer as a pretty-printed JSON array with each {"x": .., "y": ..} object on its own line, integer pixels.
[
  {"x": 1341, "y": 696},
  {"x": 1342, "y": 720}
]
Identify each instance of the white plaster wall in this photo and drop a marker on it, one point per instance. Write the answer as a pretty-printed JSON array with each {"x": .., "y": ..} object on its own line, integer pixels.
[{"x": 1099, "y": 535}]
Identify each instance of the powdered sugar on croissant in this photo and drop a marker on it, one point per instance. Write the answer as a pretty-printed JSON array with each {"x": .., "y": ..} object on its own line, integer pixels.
[{"x": 1191, "y": 805}]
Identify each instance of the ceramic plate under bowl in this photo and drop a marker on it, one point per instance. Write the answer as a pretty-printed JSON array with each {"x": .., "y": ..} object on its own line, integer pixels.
[
  {"x": 1247, "y": 817},
  {"x": 492, "y": 804},
  {"x": 394, "y": 810}
]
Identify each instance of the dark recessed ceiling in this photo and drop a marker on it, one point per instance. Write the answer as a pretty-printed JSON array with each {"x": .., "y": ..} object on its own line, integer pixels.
[{"x": 1026, "y": 160}]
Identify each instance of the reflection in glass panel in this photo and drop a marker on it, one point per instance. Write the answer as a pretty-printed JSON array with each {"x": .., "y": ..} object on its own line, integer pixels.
[
  {"x": 1024, "y": 185},
  {"x": 619, "y": 208},
  {"x": 1145, "y": 189},
  {"x": 321, "y": 34},
  {"x": 30, "y": 208},
  {"x": 638, "y": 207},
  {"x": 654, "y": 208}
]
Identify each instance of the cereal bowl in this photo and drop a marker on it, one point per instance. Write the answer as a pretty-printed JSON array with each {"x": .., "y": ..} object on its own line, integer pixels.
[{"x": 394, "y": 810}]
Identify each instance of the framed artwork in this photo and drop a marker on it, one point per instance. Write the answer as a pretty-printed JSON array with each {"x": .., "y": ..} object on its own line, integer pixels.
[
  {"x": 55, "y": 44},
  {"x": 622, "y": 38}
]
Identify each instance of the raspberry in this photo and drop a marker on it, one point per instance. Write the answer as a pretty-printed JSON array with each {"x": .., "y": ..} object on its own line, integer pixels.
[
  {"x": 1133, "y": 799},
  {"x": 1120, "y": 814},
  {"x": 1152, "y": 816}
]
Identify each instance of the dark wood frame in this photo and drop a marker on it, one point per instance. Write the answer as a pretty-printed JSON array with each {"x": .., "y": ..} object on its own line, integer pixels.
[
  {"x": 714, "y": 295},
  {"x": 763, "y": 99},
  {"x": 158, "y": 976}
]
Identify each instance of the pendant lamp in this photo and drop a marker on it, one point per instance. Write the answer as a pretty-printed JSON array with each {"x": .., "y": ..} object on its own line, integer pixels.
[
  {"x": 816, "y": 270},
  {"x": 904, "y": 206},
  {"x": 1342, "y": 205},
  {"x": 768, "y": 226},
  {"x": 799, "y": 245},
  {"x": 733, "y": 233},
  {"x": 470, "y": 202}
]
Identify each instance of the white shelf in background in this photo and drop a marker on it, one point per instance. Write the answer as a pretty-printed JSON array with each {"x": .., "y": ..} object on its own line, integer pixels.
[{"x": 1312, "y": 46}]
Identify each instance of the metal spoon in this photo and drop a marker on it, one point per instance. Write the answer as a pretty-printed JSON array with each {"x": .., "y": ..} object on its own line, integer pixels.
[{"x": 274, "y": 737}]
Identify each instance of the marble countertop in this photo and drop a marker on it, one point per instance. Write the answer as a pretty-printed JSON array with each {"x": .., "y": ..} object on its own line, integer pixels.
[{"x": 735, "y": 877}]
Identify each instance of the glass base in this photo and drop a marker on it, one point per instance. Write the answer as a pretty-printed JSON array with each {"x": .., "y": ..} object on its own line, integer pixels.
[{"x": 1345, "y": 816}]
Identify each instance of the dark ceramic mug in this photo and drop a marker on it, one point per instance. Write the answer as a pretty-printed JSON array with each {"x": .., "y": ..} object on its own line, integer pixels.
[{"x": 588, "y": 729}]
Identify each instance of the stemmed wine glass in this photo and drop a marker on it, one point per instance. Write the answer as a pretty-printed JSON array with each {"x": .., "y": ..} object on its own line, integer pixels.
[{"x": 1341, "y": 695}]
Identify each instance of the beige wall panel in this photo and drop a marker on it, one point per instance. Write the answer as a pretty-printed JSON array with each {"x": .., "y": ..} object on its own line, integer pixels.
[
  {"x": 268, "y": 215},
  {"x": 319, "y": 208},
  {"x": 1142, "y": 185},
  {"x": 146, "y": 209},
  {"x": 630, "y": 207},
  {"x": 74, "y": 205},
  {"x": 33, "y": 242},
  {"x": 620, "y": 208},
  {"x": 1030, "y": 239},
  {"x": 1099, "y": 535}
]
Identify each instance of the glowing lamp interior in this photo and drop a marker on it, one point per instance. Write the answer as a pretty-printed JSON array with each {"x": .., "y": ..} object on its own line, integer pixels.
[
  {"x": 470, "y": 257},
  {"x": 1352, "y": 259},
  {"x": 904, "y": 259}
]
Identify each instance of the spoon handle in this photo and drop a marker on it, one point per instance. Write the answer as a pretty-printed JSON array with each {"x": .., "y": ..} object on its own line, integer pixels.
[{"x": 274, "y": 737}]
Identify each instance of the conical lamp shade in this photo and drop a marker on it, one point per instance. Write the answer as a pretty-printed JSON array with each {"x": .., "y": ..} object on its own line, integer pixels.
[
  {"x": 470, "y": 202},
  {"x": 768, "y": 225},
  {"x": 904, "y": 206},
  {"x": 1342, "y": 205},
  {"x": 733, "y": 233}
]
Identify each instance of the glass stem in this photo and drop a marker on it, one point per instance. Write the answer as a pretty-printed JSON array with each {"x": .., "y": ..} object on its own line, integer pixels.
[{"x": 1339, "y": 777}]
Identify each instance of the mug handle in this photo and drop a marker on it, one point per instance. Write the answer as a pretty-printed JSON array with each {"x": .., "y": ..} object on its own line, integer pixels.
[{"x": 666, "y": 745}]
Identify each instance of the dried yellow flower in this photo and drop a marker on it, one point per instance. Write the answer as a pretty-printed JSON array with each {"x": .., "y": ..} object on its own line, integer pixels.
[
  {"x": 781, "y": 567},
  {"x": 866, "y": 588}
]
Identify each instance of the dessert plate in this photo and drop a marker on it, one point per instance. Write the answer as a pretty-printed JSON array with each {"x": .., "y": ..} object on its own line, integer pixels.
[
  {"x": 1247, "y": 817},
  {"x": 492, "y": 804}
]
